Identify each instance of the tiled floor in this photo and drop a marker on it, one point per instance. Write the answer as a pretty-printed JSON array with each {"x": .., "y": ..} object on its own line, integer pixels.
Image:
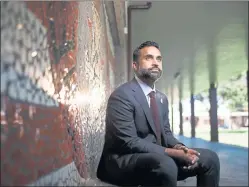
[{"x": 233, "y": 161}]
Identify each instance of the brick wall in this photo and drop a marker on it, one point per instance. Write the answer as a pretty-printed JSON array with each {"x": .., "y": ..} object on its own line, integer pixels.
[{"x": 58, "y": 67}]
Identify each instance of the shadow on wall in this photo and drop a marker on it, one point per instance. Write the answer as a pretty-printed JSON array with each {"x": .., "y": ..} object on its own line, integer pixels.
[{"x": 55, "y": 80}]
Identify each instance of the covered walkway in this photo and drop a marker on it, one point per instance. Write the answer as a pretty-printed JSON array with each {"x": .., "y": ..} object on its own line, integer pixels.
[{"x": 233, "y": 161}]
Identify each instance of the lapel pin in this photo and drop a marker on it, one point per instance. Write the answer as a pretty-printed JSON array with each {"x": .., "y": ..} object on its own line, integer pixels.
[{"x": 161, "y": 100}]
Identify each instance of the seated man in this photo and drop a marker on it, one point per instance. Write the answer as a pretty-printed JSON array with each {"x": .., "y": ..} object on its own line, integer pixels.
[{"x": 140, "y": 148}]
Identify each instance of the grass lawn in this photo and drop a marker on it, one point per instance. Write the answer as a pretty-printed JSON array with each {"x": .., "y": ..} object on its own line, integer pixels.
[{"x": 237, "y": 137}]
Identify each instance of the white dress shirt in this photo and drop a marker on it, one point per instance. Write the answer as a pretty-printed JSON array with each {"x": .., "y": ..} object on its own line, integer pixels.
[{"x": 146, "y": 89}]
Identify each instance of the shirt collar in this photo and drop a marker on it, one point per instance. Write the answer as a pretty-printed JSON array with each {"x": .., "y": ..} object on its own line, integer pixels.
[{"x": 146, "y": 89}]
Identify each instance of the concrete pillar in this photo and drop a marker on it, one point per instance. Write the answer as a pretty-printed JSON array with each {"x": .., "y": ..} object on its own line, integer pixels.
[
  {"x": 180, "y": 106},
  {"x": 192, "y": 118},
  {"x": 212, "y": 67},
  {"x": 246, "y": 43},
  {"x": 247, "y": 73},
  {"x": 213, "y": 113},
  {"x": 192, "y": 91},
  {"x": 181, "y": 118},
  {"x": 172, "y": 111}
]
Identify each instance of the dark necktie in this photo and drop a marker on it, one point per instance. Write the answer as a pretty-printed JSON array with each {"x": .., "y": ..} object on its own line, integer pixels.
[{"x": 155, "y": 115}]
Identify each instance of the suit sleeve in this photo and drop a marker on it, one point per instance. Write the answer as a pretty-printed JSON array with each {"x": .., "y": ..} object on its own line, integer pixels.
[
  {"x": 121, "y": 129},
  {"x": 171, "y": 140}
]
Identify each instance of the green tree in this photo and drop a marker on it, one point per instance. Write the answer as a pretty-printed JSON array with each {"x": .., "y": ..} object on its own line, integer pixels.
[{"x": 235, "y": 93}]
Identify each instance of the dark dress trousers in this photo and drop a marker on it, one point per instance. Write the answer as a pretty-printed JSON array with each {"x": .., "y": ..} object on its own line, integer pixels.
[{"x": 131, "y": 153}]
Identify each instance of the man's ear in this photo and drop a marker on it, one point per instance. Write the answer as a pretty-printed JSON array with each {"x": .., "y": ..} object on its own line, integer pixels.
[{"x": 135, "y": 65}]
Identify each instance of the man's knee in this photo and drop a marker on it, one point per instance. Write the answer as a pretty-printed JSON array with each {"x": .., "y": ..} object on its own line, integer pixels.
[
  {"x": 214, "y": 159},
  {"x": 210, "y": 159},
  {"x": 165, "y": 168}
]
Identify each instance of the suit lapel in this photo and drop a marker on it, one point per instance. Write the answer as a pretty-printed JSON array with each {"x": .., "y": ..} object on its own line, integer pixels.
[{"x": 140, "y": 97}]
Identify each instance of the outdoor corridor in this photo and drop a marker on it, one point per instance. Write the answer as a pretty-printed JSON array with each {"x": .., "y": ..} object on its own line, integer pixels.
[{"x": 233, "y": 162}]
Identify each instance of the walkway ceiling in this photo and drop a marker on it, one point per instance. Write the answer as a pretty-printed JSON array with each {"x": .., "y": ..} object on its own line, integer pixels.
[{"x": 192, "y": 35}]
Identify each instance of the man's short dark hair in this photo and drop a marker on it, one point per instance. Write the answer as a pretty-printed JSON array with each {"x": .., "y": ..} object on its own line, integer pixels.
[{"x": 136, "y": 52}]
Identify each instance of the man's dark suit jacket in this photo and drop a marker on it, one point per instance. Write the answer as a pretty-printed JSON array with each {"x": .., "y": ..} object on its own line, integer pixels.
[{"x": 130, "y": 128}]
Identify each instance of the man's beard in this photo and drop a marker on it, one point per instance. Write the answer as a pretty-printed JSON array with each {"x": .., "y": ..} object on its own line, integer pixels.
[{"x": 148, "y": 74}]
